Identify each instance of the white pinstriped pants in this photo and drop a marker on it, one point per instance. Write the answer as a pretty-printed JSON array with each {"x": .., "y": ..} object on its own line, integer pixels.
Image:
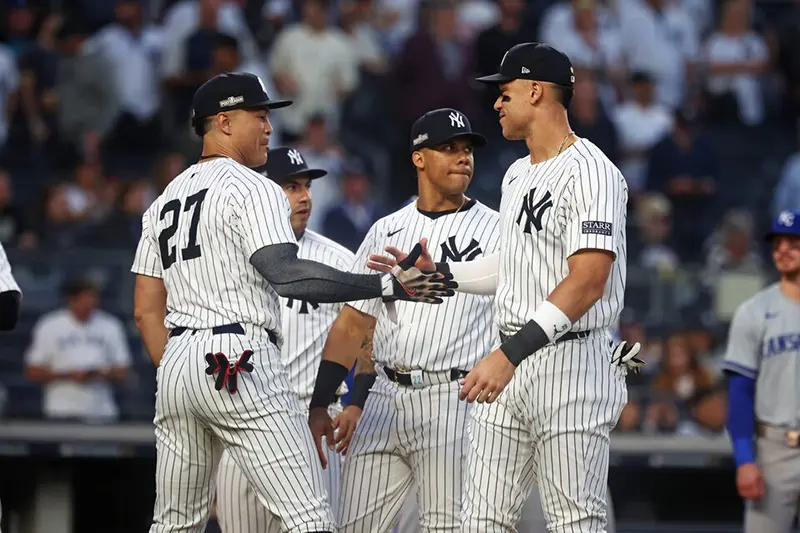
[
  {"x": 406, "y": 438},
  {"x": 262, "y": 427},
  {"x": 238, "y": 508},
  {"x": 550, "y": 427}
]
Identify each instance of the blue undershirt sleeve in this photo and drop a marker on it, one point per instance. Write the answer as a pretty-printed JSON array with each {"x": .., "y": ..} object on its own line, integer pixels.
[{"x": 741, "y": 416}]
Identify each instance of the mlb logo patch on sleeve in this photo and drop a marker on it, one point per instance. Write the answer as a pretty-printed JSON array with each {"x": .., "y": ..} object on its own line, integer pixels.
[{"x": 595, "y": 227}]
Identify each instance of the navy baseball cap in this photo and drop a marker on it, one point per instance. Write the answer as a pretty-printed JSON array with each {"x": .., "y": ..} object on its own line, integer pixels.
[
  {"x": 229, "y": 91},
  {"x": 441, "y": 125},
  {"x": 786, "y": 223},
  {"x": 533, "y": 61},
  {"x": 285, "y": 163}
]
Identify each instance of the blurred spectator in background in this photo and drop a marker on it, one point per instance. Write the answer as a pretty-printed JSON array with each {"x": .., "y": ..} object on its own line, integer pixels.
[
  {"x": 589, "y": 119},
  {"x": 737, "y": 57},
  {"x": 320, "y": 150},
  {"x": 13, "y": 225},
  {"x": 684, "y": 395},
  {"x": 19, "y": 20},
  {"x": 316, "y": 66},
  {"x": 123, "y": 227},
  {"x": 133, "y": 51},
  {"x": 788, "y": 35},
  {"x": 9, "y": 92},
  {"x": 349, "y": 222},
  {"x": 76, "y": 353},
  {"x": 660, "y": 38},
  {"x": 57, "y": 228},
  {"x": 641, "y": 123},
  {"x": 787, "y": 193},
  {"x": 87, "y": 104},
  {"x": 653, "y": 238},
  {"x": 683, "y": 167},
  {"x": 490, "y": 47},
  {"x": 732, "y": 249},
  {"x": 591, "y": 41},
  {"x": 356, "y": 21}
]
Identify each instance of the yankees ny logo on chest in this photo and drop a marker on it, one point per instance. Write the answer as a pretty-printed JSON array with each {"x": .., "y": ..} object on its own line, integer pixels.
[
  {"x": 450, "y": 251},
  {"x": 303, "y": 305},
  {"x": 533, "y": 210}
]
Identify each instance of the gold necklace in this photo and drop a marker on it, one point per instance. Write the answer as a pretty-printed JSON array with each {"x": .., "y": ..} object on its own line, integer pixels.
[{"x": 561, "y": 148}]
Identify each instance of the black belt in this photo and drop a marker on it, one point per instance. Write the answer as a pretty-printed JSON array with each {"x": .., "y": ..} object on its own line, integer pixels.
[
  {"x": 569, "y": 336},
  {"x": 404, "y": 378},
  {"x": 234, "y": 329}
]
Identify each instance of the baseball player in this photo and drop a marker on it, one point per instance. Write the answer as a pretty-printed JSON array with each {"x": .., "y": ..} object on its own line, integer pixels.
[
  {"x": 761, "y": 363},
  {"x": 411, "y": 431},
  {"x": 305, "y": 325},
  {"x": 216, "y": 252},
  {"x": 560, "y": 282}
]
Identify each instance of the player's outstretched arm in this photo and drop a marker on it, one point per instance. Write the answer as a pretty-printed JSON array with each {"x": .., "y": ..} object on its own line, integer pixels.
[
  {"x": 292, "y": 277},
  {"x": 351, "y": 330},
  {"x": 149, "y": 310},
  {"x": 478, "y": 276}
]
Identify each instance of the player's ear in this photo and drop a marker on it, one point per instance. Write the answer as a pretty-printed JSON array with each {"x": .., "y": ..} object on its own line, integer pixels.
[
  {"x": 536, "y": 92},
  {"x": 224, "y": 123},
  {"x": 418, "y": 159}
]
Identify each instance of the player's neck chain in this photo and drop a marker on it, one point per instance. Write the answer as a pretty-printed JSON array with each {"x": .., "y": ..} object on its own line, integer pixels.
[{"x": 569, "y": 134}]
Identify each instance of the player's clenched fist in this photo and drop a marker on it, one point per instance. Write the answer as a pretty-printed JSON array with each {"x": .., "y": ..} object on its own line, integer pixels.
[
  {"x": 345, "y": 425},
  {"x": 749, "y": 482},
  {"x": 321, "y": 427},
  {"x": 486, "y": 381}
]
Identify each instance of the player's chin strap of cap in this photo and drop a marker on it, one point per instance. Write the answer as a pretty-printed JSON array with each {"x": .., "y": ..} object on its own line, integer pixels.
[{"x": 228, "y": 372}]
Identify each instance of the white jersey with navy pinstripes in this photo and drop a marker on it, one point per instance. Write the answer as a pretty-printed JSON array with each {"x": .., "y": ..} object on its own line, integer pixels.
[
  {"x": 549, "y": 211},
  {"x": 306, "y": 324},
  {"x": 7, "y": 281},
  {"x": 454, "y": 334},
  {"x": 198, "y": 237}
]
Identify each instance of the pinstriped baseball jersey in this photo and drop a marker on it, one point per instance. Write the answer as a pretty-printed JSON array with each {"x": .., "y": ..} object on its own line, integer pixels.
[
  {"x": 7, "y": 281},
  {"x": 549, "y": 211},
  {"x": 306, "y": 324},
  {"x": 198, "y": 237},
  {"x": 454, "y": 334}
]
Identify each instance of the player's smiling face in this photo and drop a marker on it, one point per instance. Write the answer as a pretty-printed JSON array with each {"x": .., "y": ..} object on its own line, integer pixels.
[
  {"x": 449, "y": 166},
  {"x": 298, "y": 190},
  {"x": 514, "y": 107},
  {"x": 786, "y": 254}
]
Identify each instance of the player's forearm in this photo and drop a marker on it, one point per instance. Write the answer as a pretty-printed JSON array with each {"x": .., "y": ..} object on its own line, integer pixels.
[
  {"x": 292, "y": 277},
  {"x": 741, "y": 417},
  {"x": 10, "y": 305},
  {"x": 577, "y": 293},
  {"x": 154, "y": 334},
  {"x": 475, "y": 277}
]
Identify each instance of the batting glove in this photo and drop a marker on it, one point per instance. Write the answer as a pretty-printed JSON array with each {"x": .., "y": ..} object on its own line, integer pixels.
[
  {"x": 407, "y": 282},
  {"x": 626, "y": 355}
]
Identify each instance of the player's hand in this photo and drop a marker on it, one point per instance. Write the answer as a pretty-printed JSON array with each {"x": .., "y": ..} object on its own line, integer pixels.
[
  {"x": 407, "y": 282},
  {"x": 626, "y": 355},
  {"x": 321, "y": 427},
  {"x": 750, "y": 482},
  {"x": 486, "y": 381},
  {"x": 345, "y": 425},
  {"x": 383, "y": 263}
]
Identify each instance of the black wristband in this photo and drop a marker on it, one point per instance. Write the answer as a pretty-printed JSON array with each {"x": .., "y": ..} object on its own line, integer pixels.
[
  {"x": 525, "y": 342},
  {"x": 361, "y": 385},
  {"x": 9, "y": 309},
  {"x": 329, "y": 376}
]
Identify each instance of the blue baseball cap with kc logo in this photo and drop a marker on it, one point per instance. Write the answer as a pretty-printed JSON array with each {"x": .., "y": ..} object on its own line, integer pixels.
[
  {"x": 441, "y": 125},
  {"x": 786, "y": 223},
  {"x": 533, "y": 61}
]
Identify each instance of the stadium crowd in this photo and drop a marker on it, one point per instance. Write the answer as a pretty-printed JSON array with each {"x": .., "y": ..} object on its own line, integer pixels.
[{"x": 697, "y": 102}]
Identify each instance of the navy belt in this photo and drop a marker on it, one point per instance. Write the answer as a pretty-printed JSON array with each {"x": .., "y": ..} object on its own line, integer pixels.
[
  {"x": 233, "y": 329},
  {"x": 569, "y": 336}
]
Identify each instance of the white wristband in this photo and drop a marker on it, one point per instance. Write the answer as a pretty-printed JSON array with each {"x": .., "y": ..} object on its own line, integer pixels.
[{"x": 552, "y": 320}]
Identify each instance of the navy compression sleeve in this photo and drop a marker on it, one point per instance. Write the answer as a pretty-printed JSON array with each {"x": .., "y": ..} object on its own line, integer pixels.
[
  {"x": 292, "y": 277},
  {"x": 9, "y": 309},
  {"x": 741, "y": 417}
]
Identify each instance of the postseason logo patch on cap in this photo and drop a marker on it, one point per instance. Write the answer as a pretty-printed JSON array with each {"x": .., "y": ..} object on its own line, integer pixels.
[
  {"x": 421, "y": 138},
  {"x": 233, "y": 100}
]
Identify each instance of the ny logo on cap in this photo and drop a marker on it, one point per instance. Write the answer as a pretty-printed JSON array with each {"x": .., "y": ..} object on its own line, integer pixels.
[
  {"x": 456, "y": 119},
  {"x": 295, "y": 157},
  {"x": 786, "y": 218}
]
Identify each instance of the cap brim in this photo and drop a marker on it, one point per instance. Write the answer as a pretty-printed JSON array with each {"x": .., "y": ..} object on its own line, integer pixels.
[
  {"x": 476, "y": 138},
  {"x": 772, "y": 234},
  {"x": 312, "y": 173},
  {"x": 494, "y": 79},
  {"x": 271, "y": 104}
]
